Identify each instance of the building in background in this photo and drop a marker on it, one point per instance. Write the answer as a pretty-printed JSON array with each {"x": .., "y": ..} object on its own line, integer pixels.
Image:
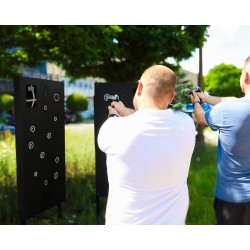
[
  {"x": 50, "y": 71},
  {"x": 188, "y": 77},
  {"x": 84, "y": 87}
]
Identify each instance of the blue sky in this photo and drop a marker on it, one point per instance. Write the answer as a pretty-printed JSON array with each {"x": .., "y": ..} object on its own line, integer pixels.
[{"x": 229, "y": 44}]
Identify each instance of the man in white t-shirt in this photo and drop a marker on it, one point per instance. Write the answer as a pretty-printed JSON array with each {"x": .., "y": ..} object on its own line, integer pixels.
[{"x": 148, "y": 152}]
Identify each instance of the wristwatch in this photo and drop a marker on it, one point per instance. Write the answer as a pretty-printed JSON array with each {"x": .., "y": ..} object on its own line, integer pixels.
[{"x": 196, "y": 102}]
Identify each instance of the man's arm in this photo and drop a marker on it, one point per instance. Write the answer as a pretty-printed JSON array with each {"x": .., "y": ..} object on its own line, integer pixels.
[
  {"x": 200, "y": 97},
  {"x": 121, "y": 109},
  {"x": 198, "y": 109},
  {"x": 212, "y": 100}
]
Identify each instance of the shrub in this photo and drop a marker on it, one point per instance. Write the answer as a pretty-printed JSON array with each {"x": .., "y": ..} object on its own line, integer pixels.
[
  {"x": 6, "y": 102},
  {"x": 77, "y": 102}
]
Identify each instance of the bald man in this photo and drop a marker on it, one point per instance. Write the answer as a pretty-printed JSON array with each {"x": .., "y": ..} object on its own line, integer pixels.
[
  {"x": 231, "y": 116},
  {"x": 148, "y": 152}
]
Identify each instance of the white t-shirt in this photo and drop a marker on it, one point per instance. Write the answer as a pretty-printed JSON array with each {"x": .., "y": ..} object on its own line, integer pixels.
[{"x": 148, "y": 159}]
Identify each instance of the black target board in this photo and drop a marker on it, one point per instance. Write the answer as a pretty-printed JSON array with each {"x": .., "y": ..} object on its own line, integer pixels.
[
  {"x": 105, "y": 93},
  {"x": 40, "y": 145}
]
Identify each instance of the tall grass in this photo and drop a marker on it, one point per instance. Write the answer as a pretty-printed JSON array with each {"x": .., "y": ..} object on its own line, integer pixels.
[
  {"x": 80, "y": 205},
  {"x": 8, "y": 192}
]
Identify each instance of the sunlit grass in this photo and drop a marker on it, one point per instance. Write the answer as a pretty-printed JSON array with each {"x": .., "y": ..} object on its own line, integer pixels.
[
  {"x": 201, "y": 184},
  {"x": 79, "y": 207}
]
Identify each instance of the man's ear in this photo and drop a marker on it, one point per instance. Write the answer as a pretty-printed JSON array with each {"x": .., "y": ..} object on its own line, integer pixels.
[
  {"x": 246, "y": 77},
  {"x": 172, "y": 97},
  {"x": 139, "y": 88}
]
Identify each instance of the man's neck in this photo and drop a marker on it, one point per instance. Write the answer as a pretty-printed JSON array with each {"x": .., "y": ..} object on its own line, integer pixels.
[
  {"x": 152, "y": 106},
  {"x": 247, "y": 93}
]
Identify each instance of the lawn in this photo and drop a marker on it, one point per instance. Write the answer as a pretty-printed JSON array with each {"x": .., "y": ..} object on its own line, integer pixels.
[
  {"x": 201, "y": 184},
  {"x": 80, "y": 205}
]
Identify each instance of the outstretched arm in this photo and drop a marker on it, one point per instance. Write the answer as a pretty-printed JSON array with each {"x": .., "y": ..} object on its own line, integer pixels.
[
  {"x": 198, "y": 109},
  {"x": 212, "y": 100},
  {"x": 120, "y": 109}
]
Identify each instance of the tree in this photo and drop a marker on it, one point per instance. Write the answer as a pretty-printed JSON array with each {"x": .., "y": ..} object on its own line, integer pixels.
[
  {"x": 115, "y": 53},
  {"x": 200, "y": 128},
  {"x": 223, "y": 80},
  {"x": 138, "y": 47},
  {"x": 76, "y": 103},
  {"x": 182, "y": 86}
]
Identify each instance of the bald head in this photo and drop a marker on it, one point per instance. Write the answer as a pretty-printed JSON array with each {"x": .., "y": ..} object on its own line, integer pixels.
[
  {"x": 158, "y": 81},
  {"x": 156, "y": 88}
]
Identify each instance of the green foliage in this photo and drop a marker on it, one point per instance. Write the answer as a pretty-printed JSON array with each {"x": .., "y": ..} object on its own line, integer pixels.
[
  {"x": 181, "y": 99},
  {"x": 139, "y": 47},
  {"x": 116, "y": 53},
  {"x": 8, "y": 195},
  {"x": 77, "y": 102},
  {"x": 79, "y": 118},
  {"x": 6, "y": 102},
  {"x": 223, "y": 80}
]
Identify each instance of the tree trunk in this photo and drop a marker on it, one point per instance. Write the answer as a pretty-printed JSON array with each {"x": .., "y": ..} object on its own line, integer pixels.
[{"x": 200, "y": 135}]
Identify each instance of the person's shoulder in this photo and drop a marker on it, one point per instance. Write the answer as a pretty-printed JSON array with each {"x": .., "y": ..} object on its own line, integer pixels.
[
  {"x": 228, "y": 103},
  {"x": 185, "y": 121},
  {"x": 230, "y": 100},
  {"x": 180, "y": 115}
]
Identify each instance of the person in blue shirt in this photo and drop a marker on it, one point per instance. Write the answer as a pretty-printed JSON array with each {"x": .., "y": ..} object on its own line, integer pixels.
[{"x": 231, "y": 116}]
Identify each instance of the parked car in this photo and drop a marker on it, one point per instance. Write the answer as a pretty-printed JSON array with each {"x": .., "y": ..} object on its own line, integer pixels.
[
  {"x": 10, "y": 120},
  {"x": 68, "y": 117}
]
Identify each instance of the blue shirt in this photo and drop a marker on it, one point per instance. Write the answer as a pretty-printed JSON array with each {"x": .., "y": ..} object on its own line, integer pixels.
[{"x": 232, "y": 119}]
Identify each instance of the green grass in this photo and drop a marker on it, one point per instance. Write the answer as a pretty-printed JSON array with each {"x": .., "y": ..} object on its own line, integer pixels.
[
  {"x": 80, "y": 205},
  {"x": 201, "y": 185}
]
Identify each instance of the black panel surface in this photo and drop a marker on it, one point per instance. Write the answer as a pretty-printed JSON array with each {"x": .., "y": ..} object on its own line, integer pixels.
[
  {"x": 40, "y": 144},
  {"x": 125, "y": 91}
]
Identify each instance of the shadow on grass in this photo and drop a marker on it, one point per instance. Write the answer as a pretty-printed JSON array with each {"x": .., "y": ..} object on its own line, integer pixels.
[
  {"x": 79, "y": 208},
  {"x": 8, "y": 205}
]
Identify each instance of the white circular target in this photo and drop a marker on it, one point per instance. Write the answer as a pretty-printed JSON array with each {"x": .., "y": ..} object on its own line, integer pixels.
[
  {"x": 55, "y": 175},
  {"x": 42, "y": 155},
  {"x": 31, "y": 145},
  {"x": 57, "y": 159},
  {"x": 32, "y": 129},
  {"x": 56, "y": 97}
]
